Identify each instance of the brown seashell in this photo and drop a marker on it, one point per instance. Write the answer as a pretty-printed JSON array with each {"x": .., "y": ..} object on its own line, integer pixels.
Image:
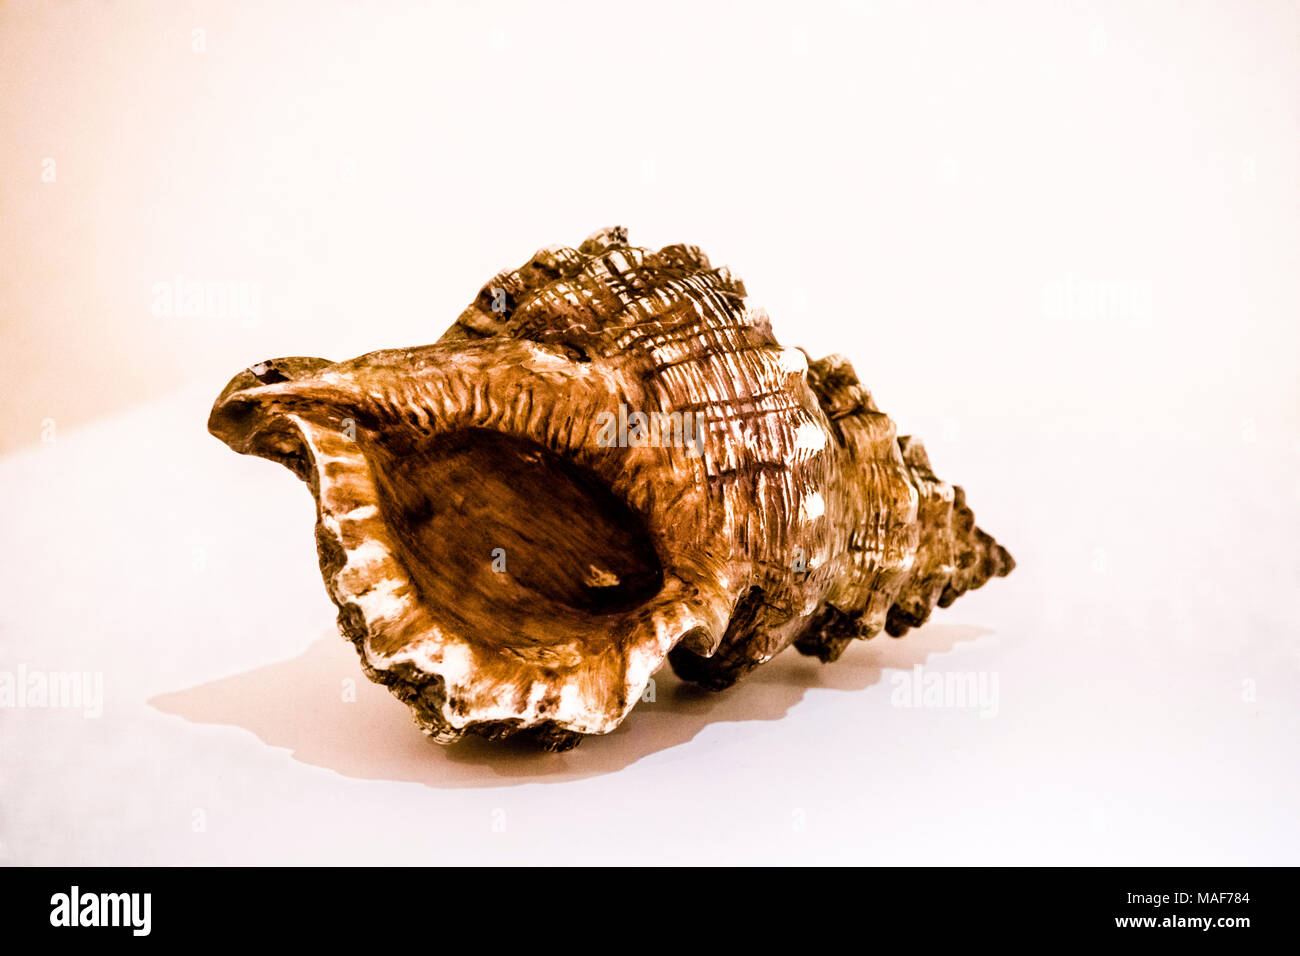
[{"x": 513, "y": 548}]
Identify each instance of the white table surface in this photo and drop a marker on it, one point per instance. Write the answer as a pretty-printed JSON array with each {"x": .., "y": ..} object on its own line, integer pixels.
[{"x": 1145, "y": 652}]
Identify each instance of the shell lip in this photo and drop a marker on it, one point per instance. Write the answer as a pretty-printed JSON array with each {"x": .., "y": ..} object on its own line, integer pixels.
[{"x": 583, "y": 680}]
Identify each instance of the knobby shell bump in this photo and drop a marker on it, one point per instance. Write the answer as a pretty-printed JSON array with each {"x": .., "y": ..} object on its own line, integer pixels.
[{"x": 606, "y": 462}]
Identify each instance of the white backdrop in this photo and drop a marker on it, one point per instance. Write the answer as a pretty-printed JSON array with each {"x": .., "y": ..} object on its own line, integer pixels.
[{"x": 1057, "y": 240}]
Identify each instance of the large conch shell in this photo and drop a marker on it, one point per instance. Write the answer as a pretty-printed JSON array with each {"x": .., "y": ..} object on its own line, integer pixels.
[{"x": 607, "y": 461}]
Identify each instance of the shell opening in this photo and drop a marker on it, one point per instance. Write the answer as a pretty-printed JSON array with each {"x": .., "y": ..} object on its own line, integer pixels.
[{"x": 509, "y": 538}]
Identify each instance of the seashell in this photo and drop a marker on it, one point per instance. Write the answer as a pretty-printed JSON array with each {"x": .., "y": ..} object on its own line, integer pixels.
[{"x": 605, "y": 463}]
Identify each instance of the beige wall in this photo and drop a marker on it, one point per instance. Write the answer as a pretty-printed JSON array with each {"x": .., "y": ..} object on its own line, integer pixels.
[{"x": 1103, "y": 196}]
